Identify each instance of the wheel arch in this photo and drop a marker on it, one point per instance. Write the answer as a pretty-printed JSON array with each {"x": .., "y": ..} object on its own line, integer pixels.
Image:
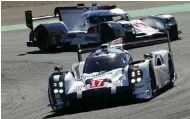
[{"x": 49, "y": 34}]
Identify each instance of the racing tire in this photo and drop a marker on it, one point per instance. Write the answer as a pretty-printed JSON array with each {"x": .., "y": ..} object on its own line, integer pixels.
[
  {"x": 107, "y": 33},
  {"x": 43, "y": 40},
  {"x": 171, "y": 71}
]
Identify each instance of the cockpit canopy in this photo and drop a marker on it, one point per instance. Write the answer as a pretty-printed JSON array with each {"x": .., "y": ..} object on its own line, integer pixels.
[
  {"x": 106, "y": 60},
  {"x": 99, "y": 16}
]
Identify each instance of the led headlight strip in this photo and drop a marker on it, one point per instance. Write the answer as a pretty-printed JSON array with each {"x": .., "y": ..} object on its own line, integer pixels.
[
  {"x": 135, "y": 76},
  {"x": 58, "y": 87}
]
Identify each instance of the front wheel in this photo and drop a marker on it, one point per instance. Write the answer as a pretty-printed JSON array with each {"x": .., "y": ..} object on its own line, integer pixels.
[{"x": 45, "y": 41}]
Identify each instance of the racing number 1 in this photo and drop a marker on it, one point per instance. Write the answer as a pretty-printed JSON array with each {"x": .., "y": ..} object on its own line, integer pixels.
[{"x": 96, "y": 83}]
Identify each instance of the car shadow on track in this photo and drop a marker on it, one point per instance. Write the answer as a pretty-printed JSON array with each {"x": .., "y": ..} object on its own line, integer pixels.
[
  {"x": 99, "y": 105},
  {"x": 87, "y": 107},
  {"x": 59, "y": 50},
  {"x": 55, "y": 51},
  {"x": 91, "y": 46}
]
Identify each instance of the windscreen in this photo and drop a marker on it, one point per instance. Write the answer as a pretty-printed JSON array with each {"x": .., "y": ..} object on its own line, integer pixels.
[{"x": 104, "y": 64}]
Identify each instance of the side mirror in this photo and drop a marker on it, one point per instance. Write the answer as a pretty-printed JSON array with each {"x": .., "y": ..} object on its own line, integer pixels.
[
  {"x": 58, "y": 68},
  {"x": 148, "y": 56}
]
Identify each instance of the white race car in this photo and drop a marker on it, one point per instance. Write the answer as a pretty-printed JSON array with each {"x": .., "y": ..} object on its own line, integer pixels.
[
  {"x": 96, "y": 25},
  {"x": 108, "y": 71}
]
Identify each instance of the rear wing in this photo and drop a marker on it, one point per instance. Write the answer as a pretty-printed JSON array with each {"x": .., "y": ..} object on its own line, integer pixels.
[
  {"x": 118, "y": 43},
  {"x": 65, "y": 14},
  {"x": 30, "y": 19},
  {"x": 71, "y": 16},
  {"x": 58, "y": 13}
]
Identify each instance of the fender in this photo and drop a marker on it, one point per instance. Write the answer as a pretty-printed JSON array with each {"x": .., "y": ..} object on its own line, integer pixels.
[
  {"x": 72, "y": 85},
  {"x": 69, "y": 80},
  {"x": 55, "y": 31},
  {"x": 77, "y": 69},
  {"x": 141, "y": 88},
  {"x": 162, "y": 54},
  {"x": 142, "y": 65}
]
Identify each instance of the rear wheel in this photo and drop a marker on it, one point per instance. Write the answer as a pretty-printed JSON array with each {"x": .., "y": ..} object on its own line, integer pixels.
[{"x": 44, "y": 40}]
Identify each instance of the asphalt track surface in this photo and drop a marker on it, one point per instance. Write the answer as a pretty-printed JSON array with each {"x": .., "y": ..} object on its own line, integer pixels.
[{"x": 25, "y": 73}]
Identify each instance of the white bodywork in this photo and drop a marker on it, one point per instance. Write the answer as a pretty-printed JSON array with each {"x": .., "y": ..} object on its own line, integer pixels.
[
  {"x": 76, "y": 22},
  {"x": 75, "y": 81}
]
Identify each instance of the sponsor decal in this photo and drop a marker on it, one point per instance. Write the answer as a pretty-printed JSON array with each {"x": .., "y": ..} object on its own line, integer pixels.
[
  {"x": 142, "y": 25},
  {"x": 135, "y": 67},
  {"x": 96, "y": 83},
  {"x": 117, "y": 41},
  {"x": 94, "y": 75},
  {"x": 78, "y": 87},
  {"x": 118, "y": 82}
]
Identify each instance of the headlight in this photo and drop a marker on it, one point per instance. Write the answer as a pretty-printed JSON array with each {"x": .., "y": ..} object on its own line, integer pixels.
[
  {"x": 138, "y": 79},
  {"x": 132, "y": 80},
  {"x": 133, "y": 30},
  {"x": 133, "y": 74},
  {"x": 55, "y": 90},
  {"x": 55, "y": 84},
  {"x": 138, "y": 73},
  {"x": 61, "y": 91},
  {"x": 60, "y": 84}
]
